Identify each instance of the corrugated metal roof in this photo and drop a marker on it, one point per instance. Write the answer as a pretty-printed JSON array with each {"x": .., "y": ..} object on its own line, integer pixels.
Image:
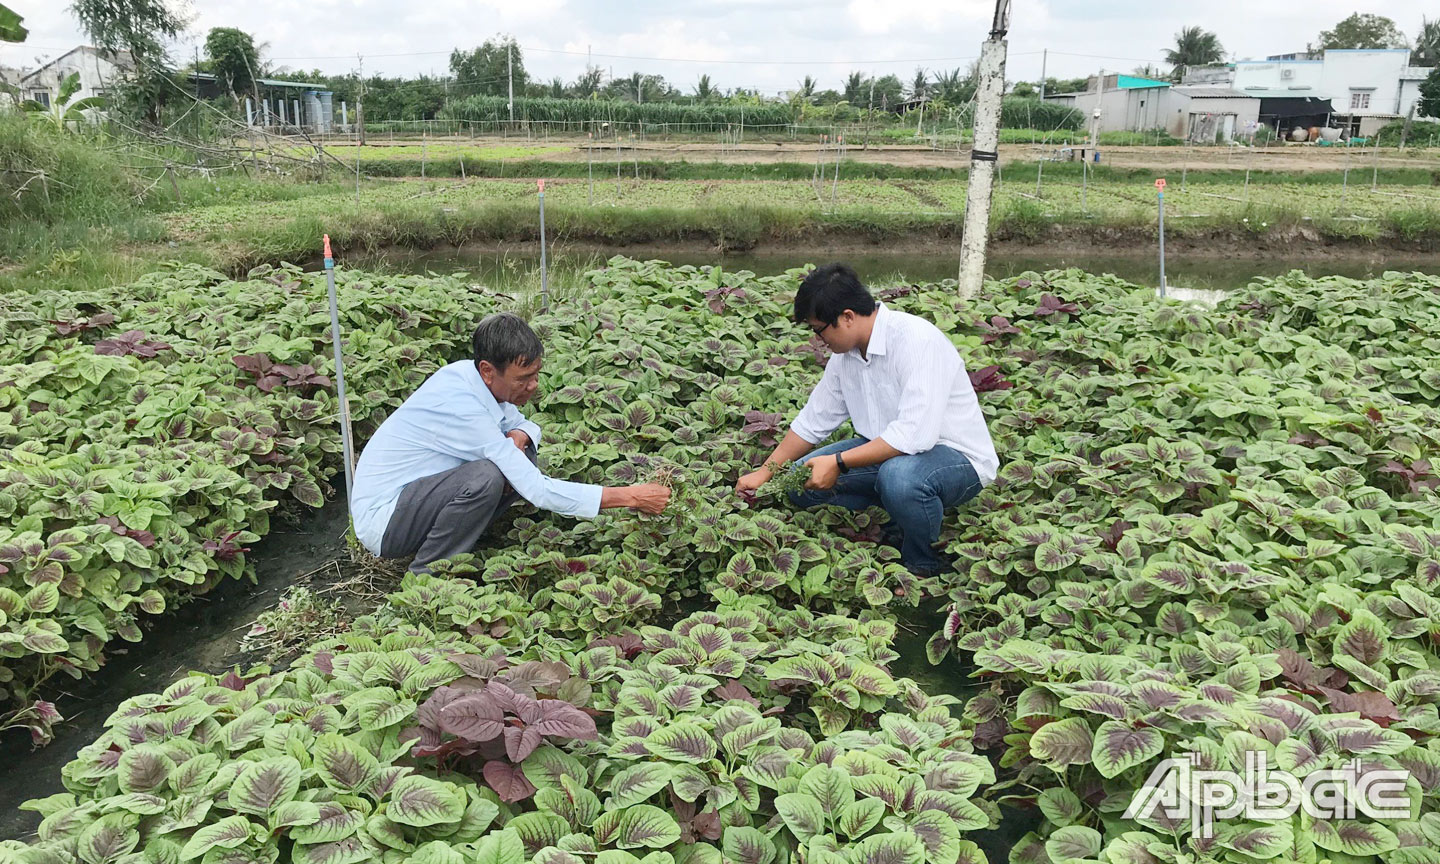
[
  {"x": 1200, "y": 91},
  {"x": 1267, "y": 93}
]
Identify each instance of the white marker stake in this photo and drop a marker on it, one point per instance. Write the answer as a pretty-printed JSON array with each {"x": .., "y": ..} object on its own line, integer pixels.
[
  {"x": 345, "y": 433},
  {"x": 1160, "y": 197},
  {"x": 544, "y": 273}
]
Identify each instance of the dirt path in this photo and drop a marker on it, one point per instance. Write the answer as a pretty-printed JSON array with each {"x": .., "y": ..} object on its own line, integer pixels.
[{"x": 1276, "y": 157}]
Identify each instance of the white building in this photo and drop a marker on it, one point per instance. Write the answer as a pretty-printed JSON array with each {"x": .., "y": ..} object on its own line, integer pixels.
[
  {"x": 99, "y": 71},
  {"x": 1199, "y": 113},
  {"x": 1362, "y": 90}
]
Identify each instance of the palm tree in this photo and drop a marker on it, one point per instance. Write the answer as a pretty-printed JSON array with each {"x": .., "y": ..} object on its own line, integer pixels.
[
  {"x": 704, "y": 90},
  {"x": 921, "y": 85},
  {"x": 957, "y": 86},
  {"x": 1194, "y": 46},
  {"x": 854, "y": 87},
  {"x": 807, "y": 89},
  {"x": 1427, "y": 44}
]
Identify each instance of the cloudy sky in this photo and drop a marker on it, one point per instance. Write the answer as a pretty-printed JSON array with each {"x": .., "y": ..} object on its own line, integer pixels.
[{"x": 764, "y": 44}]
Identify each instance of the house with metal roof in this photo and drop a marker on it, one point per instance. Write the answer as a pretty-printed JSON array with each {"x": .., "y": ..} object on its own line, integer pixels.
[
  {"x": 99, "y": 71},
  {"x": 1357, "y": 90},
  {"x": 1115, "y": 103},
  {"x": 276, "y": 102}
]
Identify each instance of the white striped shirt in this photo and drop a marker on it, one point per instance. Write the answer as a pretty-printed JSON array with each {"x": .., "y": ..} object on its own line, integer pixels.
[{"x": 911, "y": 389}]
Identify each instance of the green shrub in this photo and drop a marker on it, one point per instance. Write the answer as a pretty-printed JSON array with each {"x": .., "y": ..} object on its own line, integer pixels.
[
  {"x": 1423, "y": 133},
  {"x": 1152, "y": 137},
  {"x": 589, "y": 114},
  {"x": 50, "y": 175}
]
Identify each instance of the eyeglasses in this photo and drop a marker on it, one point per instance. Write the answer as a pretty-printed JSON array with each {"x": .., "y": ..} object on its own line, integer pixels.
[{"x": 820, "y": 331}]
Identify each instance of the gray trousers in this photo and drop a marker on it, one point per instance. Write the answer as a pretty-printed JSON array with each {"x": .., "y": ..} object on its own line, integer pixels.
[{"x": 445, "y": 514}]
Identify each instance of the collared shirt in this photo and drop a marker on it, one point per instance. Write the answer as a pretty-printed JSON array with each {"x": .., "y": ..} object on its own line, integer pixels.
[
  {"x": 453, "y": 419},
  {"x": 910, "y": 388}
]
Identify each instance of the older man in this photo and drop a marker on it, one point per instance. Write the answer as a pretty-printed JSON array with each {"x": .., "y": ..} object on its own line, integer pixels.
[
  {"x": 922, "y": 444},
  {"x": 458, "y": 452}
]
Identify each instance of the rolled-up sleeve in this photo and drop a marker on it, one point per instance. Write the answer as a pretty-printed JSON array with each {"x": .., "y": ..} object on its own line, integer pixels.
[
  {"x": 924, "y": 398},
  {"x": 481, "y": 438},
  {"x": 825, "y": 410}
]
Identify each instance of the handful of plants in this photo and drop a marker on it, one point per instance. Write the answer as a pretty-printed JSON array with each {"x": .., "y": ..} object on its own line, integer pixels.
[{"x": 785, "y": 478}]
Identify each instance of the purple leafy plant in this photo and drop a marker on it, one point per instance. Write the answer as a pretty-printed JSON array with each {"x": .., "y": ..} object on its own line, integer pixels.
[
  {"x": 1419, "y": 475},
  {"x": 1051, "y": 305},
  {"x": 989, "y": 378},
  {"x": 131, "y": 342},
  {"x": 715, "y": 297},
  {"x": 997, "y": 327},
  {"x": 270, "y": 376},
  {"x": 144, "y": 538},
  {"x": 94, "y": 322},
  {"x": 226, "y": 548},
  {"x": 765, "y": 425},
  {"x": 499, "y": 714}
]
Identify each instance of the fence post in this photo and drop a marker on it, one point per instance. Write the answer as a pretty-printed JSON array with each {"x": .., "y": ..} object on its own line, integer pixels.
[
  {"x": 1345, "y": 178},
  {"x": 1249, "y": 157}
]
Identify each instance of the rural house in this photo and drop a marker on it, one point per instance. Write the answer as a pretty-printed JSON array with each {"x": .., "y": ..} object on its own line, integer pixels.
[{"x": 98, "y": 70}]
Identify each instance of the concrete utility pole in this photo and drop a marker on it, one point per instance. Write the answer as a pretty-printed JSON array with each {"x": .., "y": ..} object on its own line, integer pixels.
[
  {"x": 984, "y": 153},
  {"x": 1404, "y": 130},
  {"x": 1044, "y": 56},
  {"x": 510, "y": 79}
]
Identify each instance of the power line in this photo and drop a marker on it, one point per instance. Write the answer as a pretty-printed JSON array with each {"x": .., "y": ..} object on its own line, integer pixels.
[
  {"x": 669, "y": 59},
  {"x": 1101, "y": 57}
]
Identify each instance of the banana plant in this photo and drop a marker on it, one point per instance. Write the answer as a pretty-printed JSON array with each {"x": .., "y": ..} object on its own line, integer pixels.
[
  {"x": 62, "y": 112},
  {"x": 11, "y": 29}
]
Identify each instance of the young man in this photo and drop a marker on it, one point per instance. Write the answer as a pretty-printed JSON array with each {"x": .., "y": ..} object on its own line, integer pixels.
[
  {"x": 922, "y": 447},
  {"x": 458, "y": 452}
]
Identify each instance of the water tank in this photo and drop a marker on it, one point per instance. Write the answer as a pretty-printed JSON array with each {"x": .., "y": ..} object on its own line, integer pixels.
[
  {"x": 311, "y": 103},
  {"x": 327, "y": 110}
]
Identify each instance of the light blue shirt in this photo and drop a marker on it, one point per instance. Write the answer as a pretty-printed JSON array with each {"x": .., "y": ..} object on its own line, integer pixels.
[{"x": 453, "y": 419}]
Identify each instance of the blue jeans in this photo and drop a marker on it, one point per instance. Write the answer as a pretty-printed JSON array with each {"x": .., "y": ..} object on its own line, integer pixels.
[{"x": 915, "y": 490}]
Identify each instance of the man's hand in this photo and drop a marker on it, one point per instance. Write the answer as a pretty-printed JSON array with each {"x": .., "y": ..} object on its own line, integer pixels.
[
  {"x": 824, "y": 471},
  {"x": 519, "y": 437},
  {"x": 649, "y": 498},
  {"x": 754, "y": 480}
]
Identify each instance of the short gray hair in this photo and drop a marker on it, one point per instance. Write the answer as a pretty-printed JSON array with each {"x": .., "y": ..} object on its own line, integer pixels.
[{"x": 503, "y": 338}]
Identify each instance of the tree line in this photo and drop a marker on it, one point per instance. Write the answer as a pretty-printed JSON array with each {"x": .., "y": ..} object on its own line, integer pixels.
[{"x": 497, "y": 68}]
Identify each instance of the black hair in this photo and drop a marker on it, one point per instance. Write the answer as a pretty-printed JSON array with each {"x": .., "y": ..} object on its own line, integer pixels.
[
  {"x": 504, "y": 338},
  {"x": 828, "y": 291}
]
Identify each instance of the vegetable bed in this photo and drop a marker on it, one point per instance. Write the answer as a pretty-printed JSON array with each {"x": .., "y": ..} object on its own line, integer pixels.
[{"x": 1215, "y": 531}]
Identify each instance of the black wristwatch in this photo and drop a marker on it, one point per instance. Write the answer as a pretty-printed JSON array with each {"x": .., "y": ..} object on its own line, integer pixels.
[{"x": 840, "y": 463}]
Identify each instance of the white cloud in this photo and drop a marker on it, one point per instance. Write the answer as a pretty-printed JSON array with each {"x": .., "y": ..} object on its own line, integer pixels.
[{"x": 913, "y": 17}]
